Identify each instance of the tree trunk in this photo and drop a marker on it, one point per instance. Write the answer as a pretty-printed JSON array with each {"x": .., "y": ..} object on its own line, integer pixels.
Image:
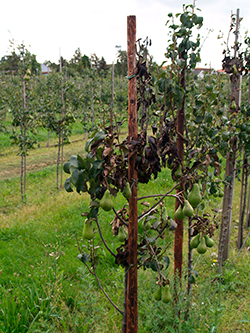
[
  {"x": 47, "y": 144},
  {"x": 58, "y": 160},
  {"x": 243, "y": 200},
  {"x": 227, "y": 206},
  {"x": 132, "y": 307},
  {"x": 225, "y": 231}
]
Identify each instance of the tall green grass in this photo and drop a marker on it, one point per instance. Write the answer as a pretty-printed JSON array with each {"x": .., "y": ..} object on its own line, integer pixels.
[{"x": 45, "y": 288}]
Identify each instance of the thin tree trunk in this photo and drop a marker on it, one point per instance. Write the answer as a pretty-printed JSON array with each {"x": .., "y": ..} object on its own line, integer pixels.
[
  {"x": 243, "y": 200},
  {"x": 132, "y": 306},
  {"x": 225, "y": 231},
  {"x": 227, "y": 207},
  {"x": 190, "y": 258},
  {"x": 47, "y": 144},
  {"x": 248, "y": 208},
  {"x": 23, "y": 152},
  {"x": 58, "y": 160}
]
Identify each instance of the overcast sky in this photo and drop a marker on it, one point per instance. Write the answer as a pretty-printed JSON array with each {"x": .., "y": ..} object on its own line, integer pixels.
[{"x": 97, "y": 26}]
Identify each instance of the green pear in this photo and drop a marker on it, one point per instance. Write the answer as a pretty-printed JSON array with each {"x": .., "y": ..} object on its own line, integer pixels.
[
  {"x": 127, "y": 191},
  {"x": 202, "y": 248},
  {"x": 164, "y": 214},
  {"x": 178, "y": 172},
  {"x": 209, "y": 241},
  {"x": 157, "y": 294},
  {"x": 88, "y": 232},
  {"x": 233, "y": 105},
  {"x": 106, "y": 202},
  {"x": 147, "y": 225},
  {"x": 195, "y": 241},
  {"x": 179, "y": 215},
  {"x": 221, "y": 193},
  {"x": 194, "y": 197},
  {"x": 187, "y": 209},
  {"x": 121, "y": 236},
  {"x": 166, "y": 295}
]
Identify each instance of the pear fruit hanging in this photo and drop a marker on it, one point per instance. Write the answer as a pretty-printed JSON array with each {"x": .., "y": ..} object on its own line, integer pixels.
[
  {"x": 202, "y": 247},
  {"x": 179, "y": 215},
  {"x": 88, "y": 232},
  {"x": 194, "y": 197},
  {"x": 195, "y": 241},
  {"x": 157, "y": 294},
  {"x": 209, "y": 241},
  {"x": 106, "y": 202},
  {"x": 187, "y": 209},
  {"x": 121, "y": 236},
  {"x": 127, "y": 191},
  {"x": 166, "y": 295}
]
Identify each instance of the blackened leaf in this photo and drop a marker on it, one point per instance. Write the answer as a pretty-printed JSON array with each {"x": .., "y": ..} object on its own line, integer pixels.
[
  {"x": 154, "y": 266},
  {"x": 191, "y": 279},
  {"x": 93, "y": 212}
]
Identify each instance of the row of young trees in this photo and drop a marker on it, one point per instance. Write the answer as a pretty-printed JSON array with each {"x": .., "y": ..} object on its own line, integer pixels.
[
  {"x": 54, "y": 102},
  {"x": 196, "y": 125}
]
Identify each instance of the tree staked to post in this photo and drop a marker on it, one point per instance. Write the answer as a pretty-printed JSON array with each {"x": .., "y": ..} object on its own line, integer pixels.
[{"x": 132, "y": 307}]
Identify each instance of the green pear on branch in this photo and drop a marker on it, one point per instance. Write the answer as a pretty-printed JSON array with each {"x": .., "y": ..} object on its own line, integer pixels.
[
  {"x": 187, "y": 209},
  {"x": 157, "y": 294},
  {"x": 106, "y": 202},
  {"x": 202, "y": 248},
  {"x": 194, "y": 197},
  {"x": 166, "y": 295},
  {"x": 127, "y": 191},
  {"x": 88, "y": 232}
]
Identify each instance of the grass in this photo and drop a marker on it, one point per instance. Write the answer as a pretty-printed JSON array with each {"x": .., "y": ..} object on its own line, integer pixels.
[{"x": 45, "y": 288}]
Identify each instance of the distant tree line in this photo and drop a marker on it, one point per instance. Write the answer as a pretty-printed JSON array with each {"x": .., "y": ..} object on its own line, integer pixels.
[{"x": 76, "y": 66}]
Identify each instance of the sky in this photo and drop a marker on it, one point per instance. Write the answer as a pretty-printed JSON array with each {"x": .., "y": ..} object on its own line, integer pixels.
[{"x": 50, "y": 28}]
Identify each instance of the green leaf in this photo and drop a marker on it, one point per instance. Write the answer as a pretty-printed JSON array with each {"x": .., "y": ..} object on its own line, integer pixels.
[
  {"x": 81, "y": 185},
  {"x": 166, "y": 260},
  {"x": 151, "y": 240},
  {"x": 75, "y": 177},
  {"x": 98, "y": 136},
  {"x": 84, "y": 257},
  {"x": 67, "y": 185},
  {"x": 66, "y": 167}
]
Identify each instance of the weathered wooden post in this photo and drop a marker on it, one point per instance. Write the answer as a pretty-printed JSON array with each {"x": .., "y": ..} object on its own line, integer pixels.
[{"x": 132, "y": 310}]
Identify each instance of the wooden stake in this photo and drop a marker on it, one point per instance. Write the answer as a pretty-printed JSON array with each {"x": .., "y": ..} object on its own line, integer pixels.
[
  {"x": 178, "y": 241},
  {"x": 132, "y": 310}
]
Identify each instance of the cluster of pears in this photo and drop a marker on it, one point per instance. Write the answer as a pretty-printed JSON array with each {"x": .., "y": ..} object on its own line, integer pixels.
[
  {"x": 192, "y": 201},
  {"x": 201, "y": 243},
  {"x": 163, "y": 294}
]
